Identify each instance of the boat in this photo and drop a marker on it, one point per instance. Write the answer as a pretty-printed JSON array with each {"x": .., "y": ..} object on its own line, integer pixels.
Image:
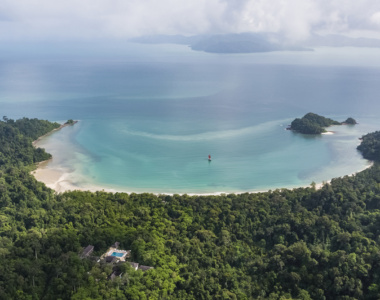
[{"x": 209, "y": 157}]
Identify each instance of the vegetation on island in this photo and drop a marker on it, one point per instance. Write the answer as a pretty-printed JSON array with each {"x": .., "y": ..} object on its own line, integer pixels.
[
  {"x": 350, "y": 121},
  {"x": 282, "y": 244},
  {"x": 70, "y": 122},
  {"x": 315, "y": 124}
]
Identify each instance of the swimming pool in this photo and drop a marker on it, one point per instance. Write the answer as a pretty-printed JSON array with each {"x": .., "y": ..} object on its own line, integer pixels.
[{"x": 117, "y": 254}]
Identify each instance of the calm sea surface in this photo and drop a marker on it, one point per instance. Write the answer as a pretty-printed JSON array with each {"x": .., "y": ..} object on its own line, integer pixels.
[{"x": 150, "y": 118}]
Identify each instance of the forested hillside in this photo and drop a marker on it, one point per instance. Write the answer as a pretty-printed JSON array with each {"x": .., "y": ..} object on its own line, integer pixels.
[
  {"x": 370, "y": 146},
  {"x": 16, "y": 141},
  {"x": 282, "y": 244}
]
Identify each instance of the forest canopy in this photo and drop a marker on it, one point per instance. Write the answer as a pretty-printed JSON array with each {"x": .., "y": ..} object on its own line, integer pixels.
[
  {"x": 370, "y": 146},
  {"x": 304, "y": 243}
]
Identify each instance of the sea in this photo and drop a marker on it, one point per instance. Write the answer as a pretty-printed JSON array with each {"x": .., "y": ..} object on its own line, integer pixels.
[{"x": 150, "y": 115}]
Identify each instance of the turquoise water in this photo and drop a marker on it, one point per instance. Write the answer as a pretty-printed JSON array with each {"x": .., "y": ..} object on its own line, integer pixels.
[
  {"x": 117, "y": 254},
  {"x": 149, "y": 120}
]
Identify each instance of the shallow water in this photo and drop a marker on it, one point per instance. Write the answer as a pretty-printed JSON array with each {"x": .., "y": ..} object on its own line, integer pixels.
[{"x": 148, "y": 124}]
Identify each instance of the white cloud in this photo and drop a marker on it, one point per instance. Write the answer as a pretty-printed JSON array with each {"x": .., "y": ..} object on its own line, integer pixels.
[
  {"x": 375, "y": 18},
  {"x": 89, "y": 19}
]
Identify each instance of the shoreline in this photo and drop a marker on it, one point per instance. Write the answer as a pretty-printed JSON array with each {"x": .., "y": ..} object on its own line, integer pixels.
[
  {"x": 320, "y": 185},
  {"x": 34, "y": 143},
  {"x": 61, "y": 180}
]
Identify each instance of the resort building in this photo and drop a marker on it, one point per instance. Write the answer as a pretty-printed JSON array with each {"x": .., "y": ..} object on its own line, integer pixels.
[
  {"x": 111, "y": 259},
  {"x": 145, "y": 268},
  {"x": 114, "y": 274},
  {"x": 114, "y": 254},
  {"x": 116, "y": 245},
  {"x": 134, "y": 265},
  {"x": 87, "y": 251}
]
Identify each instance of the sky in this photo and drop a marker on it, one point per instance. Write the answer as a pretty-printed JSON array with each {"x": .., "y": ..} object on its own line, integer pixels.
[{"x": 36, "y": 20}]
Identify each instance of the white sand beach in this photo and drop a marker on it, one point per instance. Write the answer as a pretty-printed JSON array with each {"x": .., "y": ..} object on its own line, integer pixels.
[
  {"x": 62, "y": 177},
  {"x": 61, "y": 181}
]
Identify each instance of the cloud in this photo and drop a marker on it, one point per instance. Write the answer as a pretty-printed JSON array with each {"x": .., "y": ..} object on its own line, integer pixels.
[
  {"x": 375, "y": 18},
  {"x": 94, "y": 19}
]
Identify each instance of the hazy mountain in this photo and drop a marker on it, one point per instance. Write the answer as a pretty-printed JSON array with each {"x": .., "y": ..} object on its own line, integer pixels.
[
  {"x": 224, "y": 43},
  {"x": 255, "y": 42},
  {"x": 236, "y": 43},
  {"x": 166, "y": 39},
  {"x": 341, "y": 41}
]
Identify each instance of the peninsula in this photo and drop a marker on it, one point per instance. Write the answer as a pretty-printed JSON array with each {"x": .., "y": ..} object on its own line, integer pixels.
[
  {"x": 315, "y": 124},
  {"x": 56, "y": 126}
]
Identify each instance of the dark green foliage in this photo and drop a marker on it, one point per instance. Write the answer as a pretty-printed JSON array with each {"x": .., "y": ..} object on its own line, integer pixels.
[
  {"x": 305, "y": 126},
  {"x": 350, "y": 121},
  {"x": 283, "y": 244},
  {"x": 319, "y": 120},
  {"x": 370, "y": 146},
  {"x": 16, "y": 141},
  {"x": 70, "y": 122},
  {"x": 33, "y": 128},
  {"x": 312, "y": 124}
]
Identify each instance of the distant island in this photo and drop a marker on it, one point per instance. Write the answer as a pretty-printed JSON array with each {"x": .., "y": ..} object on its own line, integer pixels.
[
  {"x": 315, "y": 124},
  {"x": 247, "y": 42},
  {"x": 250, "y": 42},
  {"x": 350, "y": 121},
  {"x": 70, "y": 122}
]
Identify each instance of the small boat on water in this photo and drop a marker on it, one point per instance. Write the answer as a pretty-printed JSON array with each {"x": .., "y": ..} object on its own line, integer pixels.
[{"x": 209, "y": 157}]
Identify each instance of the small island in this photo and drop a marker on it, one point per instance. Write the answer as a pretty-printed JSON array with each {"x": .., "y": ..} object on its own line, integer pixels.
[
  {"x": 315, "y": 124},
  {"x": 350, "y": 121},
  {"x": 70, "y": 122}
]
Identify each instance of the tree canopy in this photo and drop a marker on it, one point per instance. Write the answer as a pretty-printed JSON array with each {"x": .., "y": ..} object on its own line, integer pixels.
[{"x": 370, "y": 146}]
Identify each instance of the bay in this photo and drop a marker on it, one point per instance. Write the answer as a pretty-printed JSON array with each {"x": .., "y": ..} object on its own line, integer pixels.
[{"x": 149, "y": 119}]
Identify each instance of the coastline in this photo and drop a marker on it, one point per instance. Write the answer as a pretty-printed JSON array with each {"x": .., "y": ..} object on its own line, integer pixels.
[
  {"x": 320, "y": 185},
  {"x": 34, "y": 143},
  {"x": 62, "y": 179}
]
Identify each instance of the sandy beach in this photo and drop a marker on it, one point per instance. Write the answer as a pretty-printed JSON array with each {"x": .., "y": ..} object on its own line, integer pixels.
[
  {"x": 34, "y": 143},
  {"x": 60, "y": 182},
  {"x": 62, "y": 179},
  {"x": 59, "y": 178},
  {"x": 320, "y": 185}
]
